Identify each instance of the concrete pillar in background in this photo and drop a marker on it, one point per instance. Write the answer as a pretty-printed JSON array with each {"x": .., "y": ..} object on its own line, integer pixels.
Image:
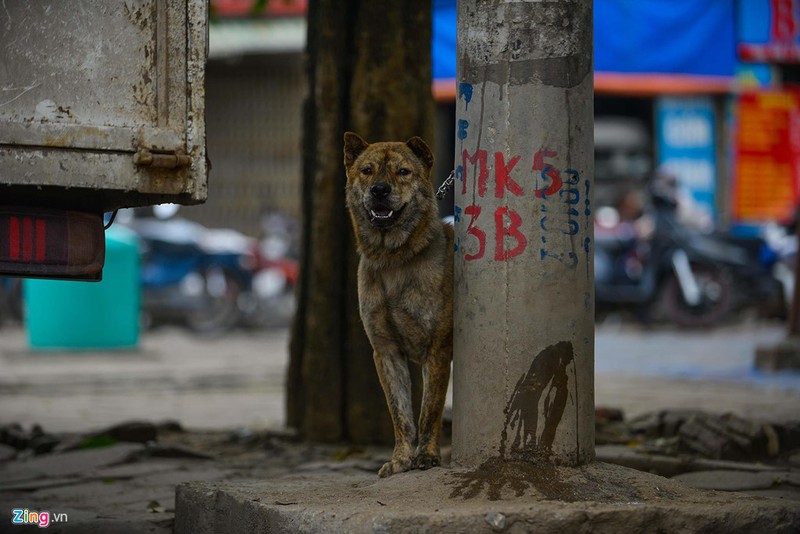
[{"x": 524, "y": 298}]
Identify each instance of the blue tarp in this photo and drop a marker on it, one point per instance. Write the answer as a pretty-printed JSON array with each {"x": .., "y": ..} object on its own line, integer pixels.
[
  {"x": 633, "y": 36},
  {"x": 665, "y": 36},
  {"x": 443, "y": 45}
]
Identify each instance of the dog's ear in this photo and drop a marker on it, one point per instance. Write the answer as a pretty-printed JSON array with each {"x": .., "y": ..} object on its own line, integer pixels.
[
  {"x": 421, "y": 150},
  {"x": 353, "y": 147}
]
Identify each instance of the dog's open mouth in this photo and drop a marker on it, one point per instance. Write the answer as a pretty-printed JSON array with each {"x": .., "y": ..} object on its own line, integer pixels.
[{"x": 382, "y": 215}]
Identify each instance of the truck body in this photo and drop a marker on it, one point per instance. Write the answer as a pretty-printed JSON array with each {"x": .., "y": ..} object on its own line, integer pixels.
[{"x": 101, "y": 107}]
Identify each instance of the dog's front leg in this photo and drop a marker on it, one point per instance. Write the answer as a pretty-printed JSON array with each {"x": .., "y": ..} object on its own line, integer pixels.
[
  {"x": 436, "y": 377},
  {"x": 396, "y": 381}
]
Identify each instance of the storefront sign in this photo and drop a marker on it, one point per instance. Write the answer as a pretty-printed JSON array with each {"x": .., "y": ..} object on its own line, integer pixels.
[
  {"x": 685, "y": 130},
  {"x": 767, "y": 156}
]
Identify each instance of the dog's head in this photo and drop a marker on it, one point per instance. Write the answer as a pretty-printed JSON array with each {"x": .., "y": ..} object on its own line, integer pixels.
[{"x": 388, "y": 184}]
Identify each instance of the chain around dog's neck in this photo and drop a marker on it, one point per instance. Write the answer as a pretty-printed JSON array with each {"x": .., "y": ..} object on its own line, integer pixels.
[{"x": 446, "y": 185}]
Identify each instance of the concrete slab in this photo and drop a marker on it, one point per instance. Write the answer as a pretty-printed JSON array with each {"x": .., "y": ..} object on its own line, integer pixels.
[
  {"x": 116, "y": 489},
  {"x": 739, "y": 481},
  {"x": 598, "y": 498},
  {"x": 66, "y": 519},
  {"x": 670, "y": 466},
  {"x": 67, "y": 464}
]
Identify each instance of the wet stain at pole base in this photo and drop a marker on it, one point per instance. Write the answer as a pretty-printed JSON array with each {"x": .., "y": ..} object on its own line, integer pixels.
[
  {"x": 525, "y": 460},
  {"x": 596, "y": 482},
  {"x": 548, "y": 380},
  {"x": 518, "y": 476}
]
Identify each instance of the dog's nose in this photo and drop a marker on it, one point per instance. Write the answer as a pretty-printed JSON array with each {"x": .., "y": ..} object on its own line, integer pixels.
[{"x": 380, "y": 190}]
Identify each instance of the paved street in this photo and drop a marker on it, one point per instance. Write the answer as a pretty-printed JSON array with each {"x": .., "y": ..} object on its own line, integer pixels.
[{"x": 238, "y": 380}]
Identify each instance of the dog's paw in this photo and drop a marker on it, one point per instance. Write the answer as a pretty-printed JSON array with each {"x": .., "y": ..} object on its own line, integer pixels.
[
  {"x": 426, "y": 461},
  {"x": 395, "y": 466}
]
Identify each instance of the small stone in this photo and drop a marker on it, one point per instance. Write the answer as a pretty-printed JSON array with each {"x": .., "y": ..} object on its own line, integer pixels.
[
  {"x": 496, "y": 520},
  {"x": 131, "y": 431},
  {"x": 155, "y": 507}
]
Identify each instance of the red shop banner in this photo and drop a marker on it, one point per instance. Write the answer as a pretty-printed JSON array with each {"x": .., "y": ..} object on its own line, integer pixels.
[{"x": 767, "y": 183}]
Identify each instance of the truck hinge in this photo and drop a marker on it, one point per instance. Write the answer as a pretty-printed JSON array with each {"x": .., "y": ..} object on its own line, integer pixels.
[{"x": 162, "y": 160}]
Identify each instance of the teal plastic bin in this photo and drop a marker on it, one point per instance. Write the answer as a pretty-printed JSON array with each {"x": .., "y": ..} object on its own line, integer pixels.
[{"x": 89, "y": 315}]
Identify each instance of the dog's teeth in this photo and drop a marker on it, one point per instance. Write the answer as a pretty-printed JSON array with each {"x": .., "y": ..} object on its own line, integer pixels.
[{"x": 390, "y": 214}]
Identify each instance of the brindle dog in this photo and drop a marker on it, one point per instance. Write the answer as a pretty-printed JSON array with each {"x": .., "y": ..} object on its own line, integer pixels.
[{"x": 405, "y": 285}]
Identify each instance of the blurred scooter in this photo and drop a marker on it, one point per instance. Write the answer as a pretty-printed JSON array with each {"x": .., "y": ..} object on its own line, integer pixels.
[
  {"x": 193, "y": 274},
  {"x": 271, "y": 301},
  {"x": 674, "y": 272}
]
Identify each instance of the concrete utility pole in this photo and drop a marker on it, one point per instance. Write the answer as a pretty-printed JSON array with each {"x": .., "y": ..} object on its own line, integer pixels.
[{"x": 524, "y": 296}]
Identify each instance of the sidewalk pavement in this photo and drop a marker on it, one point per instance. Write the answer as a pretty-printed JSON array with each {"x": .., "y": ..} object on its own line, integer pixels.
[
  {"x": 203, "y": 382},
  {"x": 228, "y": 390},
  {"x": 237, "y": 380}
]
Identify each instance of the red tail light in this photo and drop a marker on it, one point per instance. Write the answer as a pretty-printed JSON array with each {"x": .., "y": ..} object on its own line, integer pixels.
[{"x": 48, "y": 243}]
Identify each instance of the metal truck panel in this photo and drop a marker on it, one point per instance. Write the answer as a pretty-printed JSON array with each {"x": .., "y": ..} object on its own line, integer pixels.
[{"x": 102, "y": 103}]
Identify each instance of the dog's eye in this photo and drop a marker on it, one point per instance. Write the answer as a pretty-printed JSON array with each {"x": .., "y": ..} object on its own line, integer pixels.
[
  {"x": 366, "y": 170},
  {"x": 403, "y": 172}
]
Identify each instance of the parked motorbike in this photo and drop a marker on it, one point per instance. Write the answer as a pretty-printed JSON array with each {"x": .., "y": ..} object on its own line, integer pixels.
[
  {"x": 676, "y": 273},
  {"x": 193, "y": 274},
  {"x": 215, "y": 279},
  {"x": 271, "y": 300},
  {"x": 772, "y": 252}
]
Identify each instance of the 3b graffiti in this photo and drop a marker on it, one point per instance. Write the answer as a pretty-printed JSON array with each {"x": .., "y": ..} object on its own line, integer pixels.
[{"x": 558, "y": 197}]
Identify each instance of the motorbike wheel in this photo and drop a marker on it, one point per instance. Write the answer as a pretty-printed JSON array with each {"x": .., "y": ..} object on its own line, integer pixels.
[
  {"x": 716, "y": 299},
  {"x": 276, "y": 312},
  {"x": 220, "y": 311}
]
